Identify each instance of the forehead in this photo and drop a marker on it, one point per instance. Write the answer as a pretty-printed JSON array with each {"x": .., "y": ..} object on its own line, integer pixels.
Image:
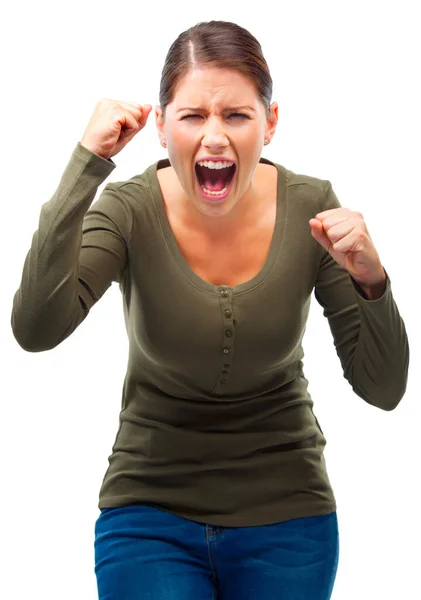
[{"x": 214, "y": 86}]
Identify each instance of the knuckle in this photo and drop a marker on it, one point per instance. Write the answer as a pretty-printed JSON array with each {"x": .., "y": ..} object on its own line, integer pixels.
[{"x": 361, "y": 236}]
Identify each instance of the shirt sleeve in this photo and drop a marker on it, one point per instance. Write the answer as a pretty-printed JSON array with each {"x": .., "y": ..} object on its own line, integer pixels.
[
  {"x": 369, "y": 335},
  {"x": 75, "y": 254}
]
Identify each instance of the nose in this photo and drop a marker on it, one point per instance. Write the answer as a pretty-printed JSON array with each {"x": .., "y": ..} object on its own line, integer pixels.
[{"x": 214, "y": 135}]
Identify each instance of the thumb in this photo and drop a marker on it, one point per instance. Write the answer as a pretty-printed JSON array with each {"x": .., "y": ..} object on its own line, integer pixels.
[
  {"x": 146, "y": 109},
  {"x": 318, "y": 233}
]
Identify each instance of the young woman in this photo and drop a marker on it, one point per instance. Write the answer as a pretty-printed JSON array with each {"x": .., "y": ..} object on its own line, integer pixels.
[{"x": 217, "y": 485}]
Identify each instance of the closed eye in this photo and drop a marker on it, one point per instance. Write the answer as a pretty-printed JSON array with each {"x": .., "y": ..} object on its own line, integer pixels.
[
  {"x": 241, "y": 115},
  {"x": 232, "y": 115},
  {"x": 190, "y": 117}
]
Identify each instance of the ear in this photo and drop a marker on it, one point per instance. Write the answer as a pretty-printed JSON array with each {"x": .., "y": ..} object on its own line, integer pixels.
[
  {"x": 160, "y": 123},
  {"x": 272, "y": 121}
]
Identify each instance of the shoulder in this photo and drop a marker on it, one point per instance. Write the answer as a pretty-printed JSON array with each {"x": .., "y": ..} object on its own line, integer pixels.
[
  {"x": 301, "y": 183},
  {"x": 135, "y": 193},
  {"x": 137, "y": 183},
  {"x": 123, "y": 202},
  {"x": 307, "y": 189}
]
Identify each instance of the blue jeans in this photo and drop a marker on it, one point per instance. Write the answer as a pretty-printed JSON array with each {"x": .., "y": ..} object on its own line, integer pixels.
[{"x": 145, "y": 553}]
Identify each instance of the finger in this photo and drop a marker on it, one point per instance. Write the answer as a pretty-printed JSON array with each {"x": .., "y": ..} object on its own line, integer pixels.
[
  {"x": 146, "y": 111},
  {"x": 334, "y": 219},
  {"x": 325, "y": 214},
  {"x": 318, "y": 233},
  {"x": 339, "y": 230},
  {"x": 130, "y": 105},
  {"x": 129, "y": 124},
  {"x": 139, "y": 111},
  {"x": 355, "y": 241}
]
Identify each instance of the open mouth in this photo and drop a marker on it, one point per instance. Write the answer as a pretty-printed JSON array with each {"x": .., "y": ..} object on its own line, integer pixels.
[{"x": 215, "y": 178}]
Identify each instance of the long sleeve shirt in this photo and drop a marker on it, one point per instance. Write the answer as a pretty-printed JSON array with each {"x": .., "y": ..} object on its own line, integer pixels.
[{"x": 216, "y": 422}]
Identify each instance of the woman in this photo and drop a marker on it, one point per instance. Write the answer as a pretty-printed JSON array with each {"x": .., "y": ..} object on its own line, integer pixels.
[{"x": 217, "y": 485}]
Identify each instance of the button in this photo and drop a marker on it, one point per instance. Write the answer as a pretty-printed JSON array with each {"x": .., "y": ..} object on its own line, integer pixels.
[
  {"x": 225, "y": 372},
  {"x": 223, "y": 381},
  {"x": 226, "y": 366},
  {"x": 226, "y": 350},
  {"x": 228, "y": 314},
  {"x": 224, "y": 293},
  {"x": 228, "y": 333}
]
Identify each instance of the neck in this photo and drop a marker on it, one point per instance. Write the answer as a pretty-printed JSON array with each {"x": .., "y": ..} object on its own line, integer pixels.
[
  {"x": 249, "y": 210},
  {"x": 256, "y": 206},
  {"x": 244, "y": 214}
]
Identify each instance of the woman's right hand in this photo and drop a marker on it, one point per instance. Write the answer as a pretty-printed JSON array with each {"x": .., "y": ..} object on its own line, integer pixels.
[{"x": 112, "y": 125}]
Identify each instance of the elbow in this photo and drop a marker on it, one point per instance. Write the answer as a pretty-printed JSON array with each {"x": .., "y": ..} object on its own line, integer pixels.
[
  {"x": 46, "y": 331},
  {"x": 386, "y": 397},
  {"x": 31, "y": 334},
  {"x": 26, "y": 327},
  {"x": 42, "y": 323},
  {"x": 28, "y": 344},
  {"x": 31, "y": 347},
  {"x": 390, "y": 405},
  {"x": 396, "y": 394},
  {"x": 383, "y": 387},
  {"x": 28, "y": 340}
]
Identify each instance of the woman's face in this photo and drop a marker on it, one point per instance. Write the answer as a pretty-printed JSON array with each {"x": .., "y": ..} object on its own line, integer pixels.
[{"x": 215, "y": 128}]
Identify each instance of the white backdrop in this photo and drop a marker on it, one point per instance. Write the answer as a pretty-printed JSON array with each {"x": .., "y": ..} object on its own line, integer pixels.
[{"x": 346, "y": 78}]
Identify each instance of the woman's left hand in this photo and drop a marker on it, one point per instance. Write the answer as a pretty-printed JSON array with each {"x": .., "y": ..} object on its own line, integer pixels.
[{"x": 343, "y": 233}]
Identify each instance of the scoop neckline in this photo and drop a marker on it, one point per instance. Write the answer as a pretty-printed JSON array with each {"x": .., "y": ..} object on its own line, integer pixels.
[{"x": 178, "y": 257}]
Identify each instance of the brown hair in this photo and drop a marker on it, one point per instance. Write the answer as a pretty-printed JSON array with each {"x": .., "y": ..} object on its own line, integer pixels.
[{"x": 218, "y": 44}]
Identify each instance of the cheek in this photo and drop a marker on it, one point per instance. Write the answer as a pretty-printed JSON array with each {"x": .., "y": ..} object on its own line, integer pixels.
[
  {"x": 179, "y": 147},
  {"x": 250, "y": 137},
  {"x": 182, "y": 136}
]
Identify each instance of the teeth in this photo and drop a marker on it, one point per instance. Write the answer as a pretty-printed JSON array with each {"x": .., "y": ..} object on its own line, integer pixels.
[
  {"x": 214, "y": 193},
  {"x": 210, "y": 164}
]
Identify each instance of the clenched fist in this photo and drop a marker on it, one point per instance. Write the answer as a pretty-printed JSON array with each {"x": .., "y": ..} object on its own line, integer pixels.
[
  {"x": 112, "y": 125},
  {"x": 343, "y": 233}
]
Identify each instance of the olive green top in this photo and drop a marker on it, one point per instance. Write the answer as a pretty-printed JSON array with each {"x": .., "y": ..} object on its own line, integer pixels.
[{"x": 216, "y": 423}]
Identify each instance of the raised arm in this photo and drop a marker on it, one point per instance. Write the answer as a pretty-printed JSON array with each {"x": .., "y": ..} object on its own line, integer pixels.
[
  {"x": 73, "y": 258},
  {"x": 77, "y": 253},
  {"x": 369, "y": 335}
]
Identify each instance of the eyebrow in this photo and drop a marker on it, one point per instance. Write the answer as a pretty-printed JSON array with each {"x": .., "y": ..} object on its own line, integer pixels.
[{"x": 230, "y": 109}]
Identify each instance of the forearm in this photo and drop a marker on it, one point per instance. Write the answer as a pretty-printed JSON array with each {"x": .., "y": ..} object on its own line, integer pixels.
[
  {"x": 380, "y": 361},
  {"x": 46, "y": 306},
  {"x": 373, "y": 291}
]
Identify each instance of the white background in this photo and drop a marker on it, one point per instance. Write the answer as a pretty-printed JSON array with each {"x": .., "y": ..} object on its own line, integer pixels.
[{"x": 346, "y": 78}]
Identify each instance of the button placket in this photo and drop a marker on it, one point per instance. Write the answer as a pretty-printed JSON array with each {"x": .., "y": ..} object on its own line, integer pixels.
[{"x": 229, "y": 336}]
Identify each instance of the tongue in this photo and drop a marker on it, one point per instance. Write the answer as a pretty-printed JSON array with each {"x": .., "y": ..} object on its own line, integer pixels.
[
  {"x": 214, "y": 184},
  {"x": 214, "y": 180}
]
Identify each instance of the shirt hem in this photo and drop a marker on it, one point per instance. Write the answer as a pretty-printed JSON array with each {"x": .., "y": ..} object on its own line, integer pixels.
[{"x": 242, "y": 519}]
